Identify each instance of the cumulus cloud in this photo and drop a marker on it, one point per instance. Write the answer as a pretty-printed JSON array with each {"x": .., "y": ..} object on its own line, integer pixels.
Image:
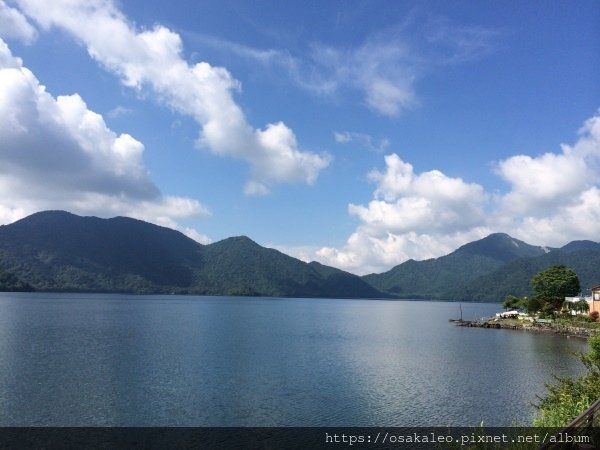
[
  {"x": 364, "y": 253},
  {"x": 411, "y": 216},
  {"x": 551, "y": 199},
  {"x": 14, "y": 25},
  {"x": 152, "y": 59},
  {"x": 540, "y": 182},
  {"x": 57, "y": 153},
  {"x": 428, "y": 201}
]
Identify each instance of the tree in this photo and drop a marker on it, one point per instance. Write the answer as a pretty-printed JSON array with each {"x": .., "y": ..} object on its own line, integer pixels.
[
  {"x": 582, "y": 306},
  {"x": 578, "y": 307},
  {"x": 569, "y": 397},
  {"x": 533, "y": 305},
  {"x": 513, "y": 302},
  {"x": 551, "y": 286}
]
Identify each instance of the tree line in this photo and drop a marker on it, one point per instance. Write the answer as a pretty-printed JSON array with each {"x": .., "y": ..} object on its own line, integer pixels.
[{"x": 550, "y": 287}]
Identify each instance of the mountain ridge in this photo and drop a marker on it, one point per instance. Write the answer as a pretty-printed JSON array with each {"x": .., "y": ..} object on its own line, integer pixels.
[
  {"x": 60, "y": 251},
  {"x": 487, "y": 270},
  {"x": 434, "y": 278}
]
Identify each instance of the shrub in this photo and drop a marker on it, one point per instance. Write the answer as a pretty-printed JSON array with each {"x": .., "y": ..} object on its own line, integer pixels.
[{"x": 570, "y": 397}]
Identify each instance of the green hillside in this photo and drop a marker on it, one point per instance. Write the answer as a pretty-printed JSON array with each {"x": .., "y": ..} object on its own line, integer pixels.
[
  {"x": 10, "y": 283},
  {"x": 59, "y": 251},
  {"x": 442, "y": 277},
  {"x": 515, "y": 277}
]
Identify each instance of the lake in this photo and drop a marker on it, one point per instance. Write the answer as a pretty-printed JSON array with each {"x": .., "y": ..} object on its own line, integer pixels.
[{"x": 120, "y": 360}]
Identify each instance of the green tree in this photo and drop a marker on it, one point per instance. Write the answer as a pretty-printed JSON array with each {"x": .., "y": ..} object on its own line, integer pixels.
[
  {"x": 570, "y": 397},
  {"x": 533, "y": 305},
  {"x": 578, "y": 307},
  {"x": 551, "y": 286},
  {"x": 513, "y": 302},
  {"x": 582, "y": 306}
]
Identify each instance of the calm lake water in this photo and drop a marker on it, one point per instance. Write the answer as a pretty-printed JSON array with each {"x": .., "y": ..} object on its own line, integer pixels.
[{"x": 102, "y": 360}]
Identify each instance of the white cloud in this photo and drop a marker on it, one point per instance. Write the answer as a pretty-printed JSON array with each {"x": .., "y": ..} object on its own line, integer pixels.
[
  {"x": 366, "y": 253},
  {"x": 366, "y": 140},
  {"x": 14, "y": 25},
  {"x": 576, "y": 219},
  {"x": 422, "y": 202},
  {"x": 152, "y": 59},
  {"x": 383, "y": 69},
  {"x": 552, "y": 179},
  {"x": 55, "y": 153},
  {"x": 302, "y": 252},
  {"x": 540, "y": 182},
  {"x": 411, "y": 216},
  {"x": 119, "y": 111},
  {"x": 388, "y": 98},
  {"x": 552, "y": 199},
  {"x": 452, "y": 44},
  {"x": 255, "y": 188}
]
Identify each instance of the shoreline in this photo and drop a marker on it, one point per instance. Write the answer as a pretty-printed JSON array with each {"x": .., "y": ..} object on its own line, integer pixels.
[{"x": 550, "y": 328}]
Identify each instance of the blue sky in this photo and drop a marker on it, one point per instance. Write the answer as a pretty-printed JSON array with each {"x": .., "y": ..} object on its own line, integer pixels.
[{"x": 356, "y": 133}]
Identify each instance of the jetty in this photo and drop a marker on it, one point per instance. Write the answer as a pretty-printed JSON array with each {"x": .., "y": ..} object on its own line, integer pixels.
[{"x": 537, "y": 326}]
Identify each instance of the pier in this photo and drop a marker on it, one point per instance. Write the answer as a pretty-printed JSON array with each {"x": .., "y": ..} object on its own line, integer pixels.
[{"x": 536, "y": 327}]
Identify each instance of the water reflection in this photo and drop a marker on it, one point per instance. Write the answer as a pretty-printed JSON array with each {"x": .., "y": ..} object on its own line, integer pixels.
[{"x": 214, "y": 361}]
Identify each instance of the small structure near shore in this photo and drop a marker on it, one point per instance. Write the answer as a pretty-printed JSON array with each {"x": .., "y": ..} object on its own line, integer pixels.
[
  {"x": 595, "y": 300},
  {"x": 508, "y": 314}
]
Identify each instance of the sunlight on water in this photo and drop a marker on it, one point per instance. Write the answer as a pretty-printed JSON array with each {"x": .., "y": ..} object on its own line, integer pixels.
[{"x": 217, "y": 361}]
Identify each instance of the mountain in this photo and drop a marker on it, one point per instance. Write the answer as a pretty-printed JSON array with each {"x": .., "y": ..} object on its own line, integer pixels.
[
  {"x": 443, "y": 277},
  {"x": 59, "y": 251},
  {"x": 239, "y": 266},
  {"x": 9, "y": 282},
  {"x": 580, "y": 245},
  {"x": 515, "y": 277}
]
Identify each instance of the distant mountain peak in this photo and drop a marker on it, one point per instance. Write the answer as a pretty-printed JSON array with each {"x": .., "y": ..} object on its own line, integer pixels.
[
  {"x": 487, "y": 269},
  {"x": 238, "y": 240},
  {"x": 500, "y": 246},
  {"x": 241, "y": 238},
  {"x": 45, "y": 215},
  {"x": 580, "y": 245}
]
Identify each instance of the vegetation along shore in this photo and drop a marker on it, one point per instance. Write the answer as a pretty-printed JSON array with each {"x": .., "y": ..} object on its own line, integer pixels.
[{"x": 555, "y": 307}]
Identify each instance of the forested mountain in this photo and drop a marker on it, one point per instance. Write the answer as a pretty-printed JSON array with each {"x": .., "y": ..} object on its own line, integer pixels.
[
  {"x": 59, "y": 251},
  {"x": 487, "y": 270},
  {"x": 9, "y": 282},
  {"x": 515, "y": 277},
  {"x": 442, "y": 277}
]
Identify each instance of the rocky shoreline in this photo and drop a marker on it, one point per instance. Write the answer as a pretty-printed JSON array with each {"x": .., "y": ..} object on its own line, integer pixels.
[{"x": 554, "y": 328}]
